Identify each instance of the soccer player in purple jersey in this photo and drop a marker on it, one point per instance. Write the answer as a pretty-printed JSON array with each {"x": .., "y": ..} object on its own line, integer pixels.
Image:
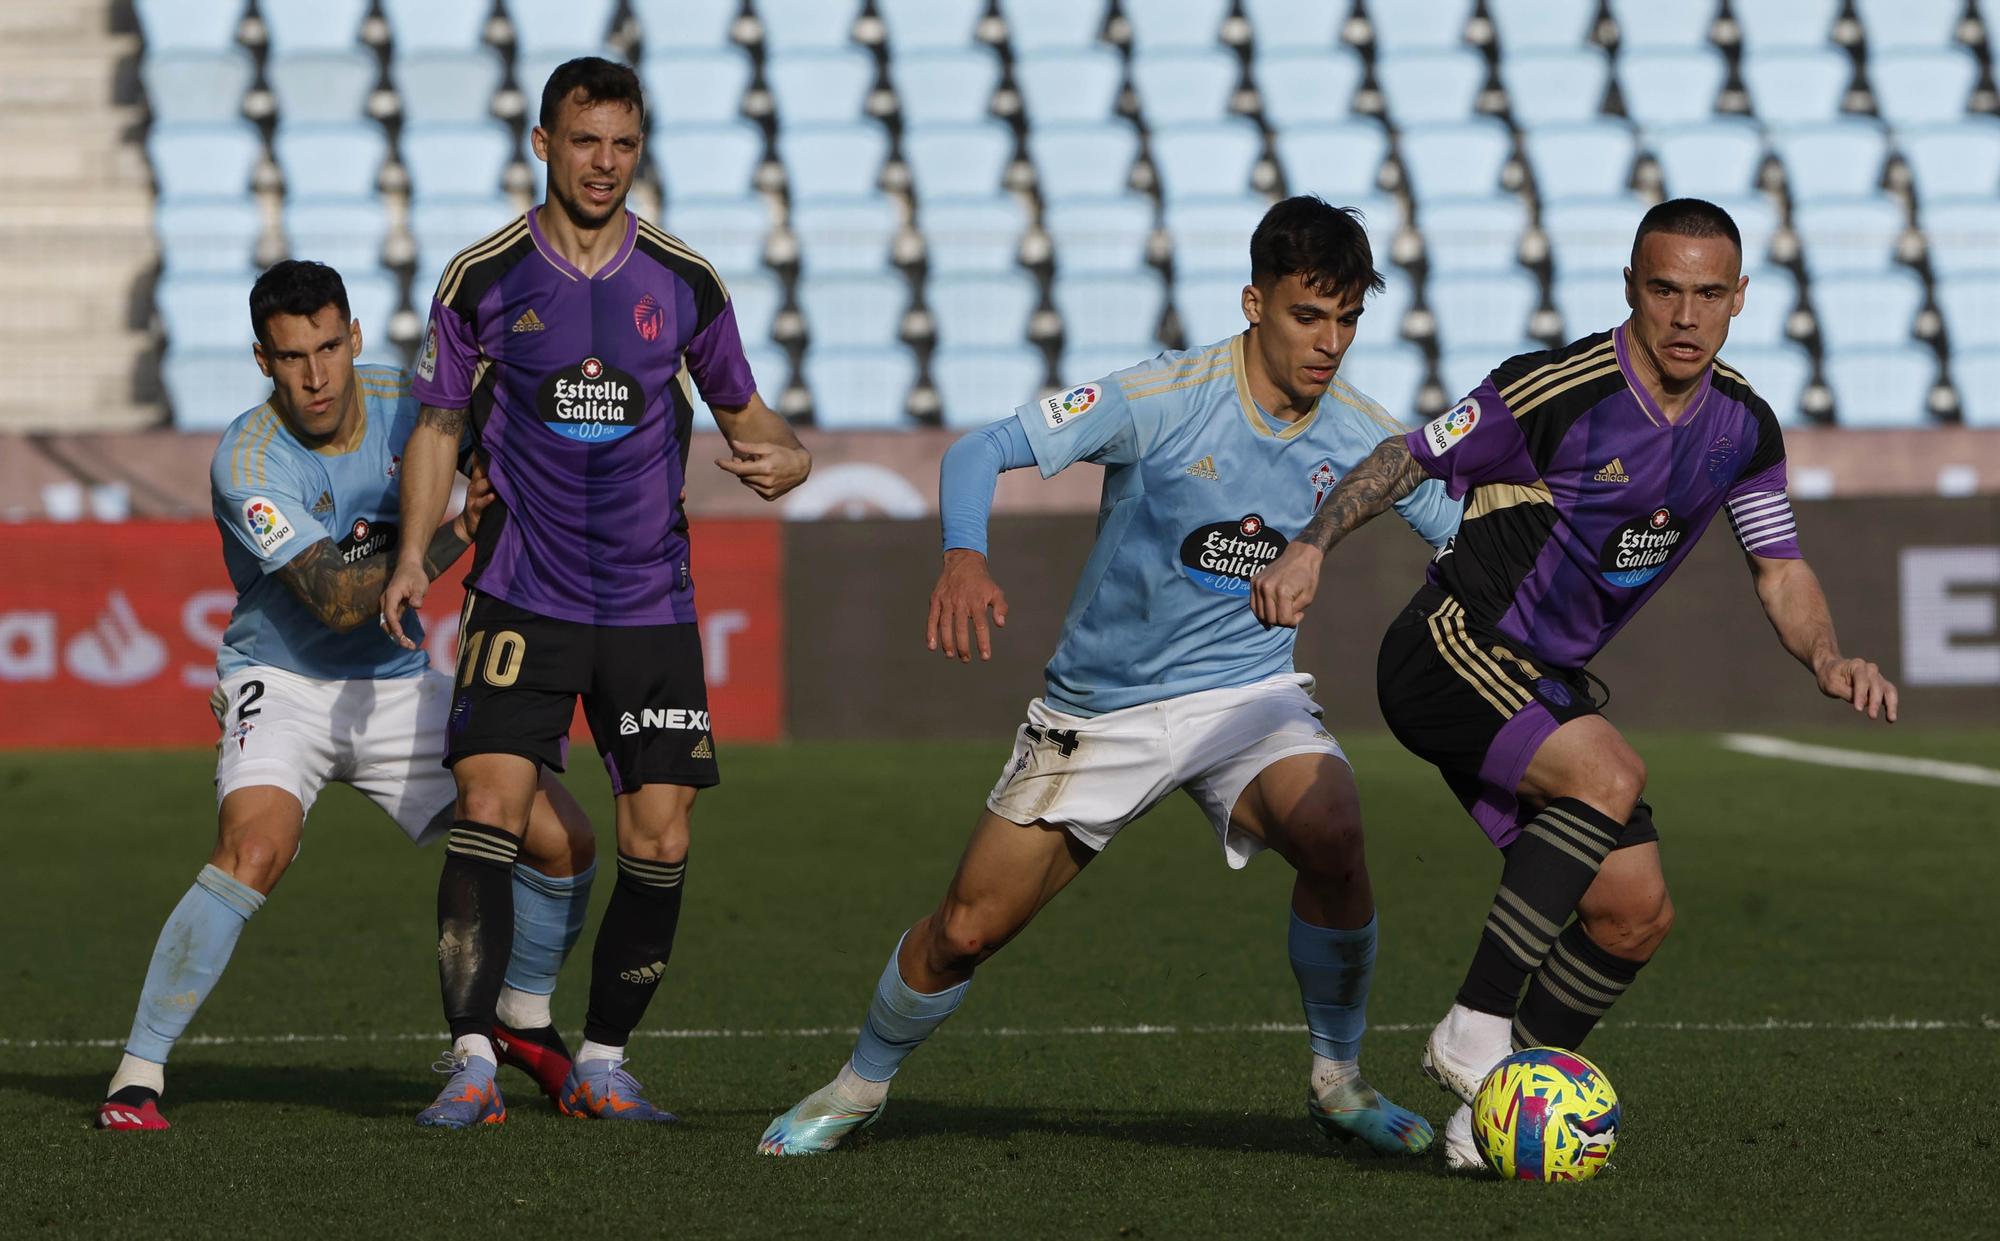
[
  {"x": 568, "y": 338},
  {"x": 1588, "y": 471}
]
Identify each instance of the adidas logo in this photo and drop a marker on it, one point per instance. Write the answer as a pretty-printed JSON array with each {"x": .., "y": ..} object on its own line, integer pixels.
[
  {"x": 1613, "y": 473},
  {"x": 702, "y": 749},
  {"x": 1205, "y": 468},
  {"x": 646, "y": 974},
  {"x": 324, "y": 505},
  {"x": 528, "y": 322},
  {"x": 627, "y": 724}
]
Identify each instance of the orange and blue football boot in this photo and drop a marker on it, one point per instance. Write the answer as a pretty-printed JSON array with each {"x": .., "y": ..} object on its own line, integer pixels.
[
  {"x": 603, "y": 1090},
  {"x": 470, "y": 1098}
]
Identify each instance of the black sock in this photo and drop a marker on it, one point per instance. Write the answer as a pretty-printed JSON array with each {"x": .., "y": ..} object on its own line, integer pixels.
[
  {"x": 633, "y": 946},
  {"x": 1571, "y": 992},
  {"x": 133, "y": 1096},
  {"x": 540, "y": 1036},
  {"x": 1549, "y": 867},
  {"x": 475, "y": 923}
]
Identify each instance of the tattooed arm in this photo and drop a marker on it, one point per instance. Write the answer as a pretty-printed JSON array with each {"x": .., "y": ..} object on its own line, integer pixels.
[
  {"x": 430, "y": 457},
  {"x": 1281, "y": 593},
  {"x": 346, "y": 596}
]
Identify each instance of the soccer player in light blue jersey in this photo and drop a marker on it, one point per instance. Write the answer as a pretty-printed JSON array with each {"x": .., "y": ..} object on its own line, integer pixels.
[
  {"x": 311, "y": 691},
  {"x": 1163, "y": 679}
]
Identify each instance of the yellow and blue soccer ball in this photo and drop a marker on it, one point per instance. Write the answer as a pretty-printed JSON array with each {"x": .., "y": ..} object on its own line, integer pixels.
[{"x": 1546, "y": 1114}]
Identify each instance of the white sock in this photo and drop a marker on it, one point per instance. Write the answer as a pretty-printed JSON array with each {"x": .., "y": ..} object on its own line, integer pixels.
[
  {"x": 858, "y": 1090},
  {"x": 523, "y": 1010},
  {"x": 132, "y": 1071},
  {"x": 1330, "y": 1075},
  {"x": 469, "y": 1045},
  {"x": 1482, "y": 1039},
  {"x": 599, "y": 1051}
]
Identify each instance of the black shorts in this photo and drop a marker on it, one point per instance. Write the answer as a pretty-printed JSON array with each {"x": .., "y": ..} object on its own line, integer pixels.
[
  {"x": 1477, "y": 707},
  {"x": 519, "y": 675}
]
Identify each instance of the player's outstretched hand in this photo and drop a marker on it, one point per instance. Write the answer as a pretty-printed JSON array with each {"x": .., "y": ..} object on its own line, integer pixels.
[
  {"x": 405, "y": 590},
  {"x": 478, "y": 494},
  {"x": 958, "y": 606},
  {"x": 1282, "y": 592},
  {"x": 770, "y": 470},
  {"x": 1861, "y": 683}
]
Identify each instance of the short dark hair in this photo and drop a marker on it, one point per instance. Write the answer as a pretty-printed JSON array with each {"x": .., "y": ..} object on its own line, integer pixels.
[
  {"x": 1326, "y": 246},
  {"x": 1687, "y": 217},
  {"x": 295, "y": 287},
  {"x": 601, "y": 80}
]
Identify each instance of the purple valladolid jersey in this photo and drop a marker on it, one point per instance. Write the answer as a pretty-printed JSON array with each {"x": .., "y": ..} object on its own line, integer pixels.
[
  {"x": 1582, "y": 497},
  {"x": 577, "y": 387}
]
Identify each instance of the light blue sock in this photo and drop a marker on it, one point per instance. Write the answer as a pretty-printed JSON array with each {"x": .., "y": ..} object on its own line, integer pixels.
[
  {"x": 1334, "y": 968},
  {"x": 899, "y": 1020},
  {"x": 548, "y": 916},
  {"x": 193, "y": 949}
]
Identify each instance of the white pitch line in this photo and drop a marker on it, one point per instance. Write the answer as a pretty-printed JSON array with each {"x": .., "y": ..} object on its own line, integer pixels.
[
  {"x": 1860, "y": 760},
  {"x": 1863, "y": 1025}
]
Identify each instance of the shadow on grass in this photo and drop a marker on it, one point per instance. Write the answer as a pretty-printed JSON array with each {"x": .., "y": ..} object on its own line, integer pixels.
[{"x": 367, "y": 1093}]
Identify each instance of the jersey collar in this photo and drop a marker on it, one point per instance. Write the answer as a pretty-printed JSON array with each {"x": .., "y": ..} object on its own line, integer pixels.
[
  {"x": 1254, "y": 416},
  {"x": 1647, "y": 405},
  {"x": 570, "y": 269}
]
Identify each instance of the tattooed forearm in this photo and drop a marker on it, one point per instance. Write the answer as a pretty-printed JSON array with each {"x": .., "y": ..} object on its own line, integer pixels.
[
  {"x": 445, "y": 547},
  {"x": 449, "y": 421},
  {"x": 1383, "y": 477},
  {"x": 342, "y": 595}
]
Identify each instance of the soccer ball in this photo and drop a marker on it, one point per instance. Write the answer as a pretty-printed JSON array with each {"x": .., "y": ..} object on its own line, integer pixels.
[{"x": 1545, "y": 1114}]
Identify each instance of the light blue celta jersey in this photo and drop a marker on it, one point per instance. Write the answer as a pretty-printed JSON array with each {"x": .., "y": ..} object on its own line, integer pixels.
[
  {"x": 1201, "y": 491},
  {"x": 274, "y": 498}
]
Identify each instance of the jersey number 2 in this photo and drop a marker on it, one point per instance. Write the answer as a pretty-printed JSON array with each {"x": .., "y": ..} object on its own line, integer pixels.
[{"x": 503, "y": 658}]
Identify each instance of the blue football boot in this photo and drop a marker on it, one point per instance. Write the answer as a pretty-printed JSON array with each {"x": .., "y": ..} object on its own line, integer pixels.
[
  {"x": 816, "y": 1124},
  {"x": 1354, "y": 1110},
  {"x": 471, "y": 1097}
]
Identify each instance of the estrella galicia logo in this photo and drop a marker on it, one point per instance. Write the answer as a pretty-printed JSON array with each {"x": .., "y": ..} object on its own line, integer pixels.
[
  {"x": 591, "y": 402},
  {"x": 1637, "y": 551},
  {"x": 1721, "y": 456},
  {"x": 1554, "y": 692},
  {"x": 1224, "y": 557},
  {"x": 365, "y": 538}
]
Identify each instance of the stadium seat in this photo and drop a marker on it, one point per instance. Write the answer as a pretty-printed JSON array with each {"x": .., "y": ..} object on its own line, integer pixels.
[
  {"x": 1585, "y": 159},
  {"x": 1210, "y": 306},
  {"x": 1919, "y": 88},
  {"x": 206, "y": 310},
  {"x": 1212, "y": 160},
  {"x": 1084, "y": 363},
  {"x": 1383, "y": 312},
  {"x": 755, "y": 298},
  {"x": 1648, "y": 25},
  {"x": 708, "y": 161},
  {"x": 1482, "y": 311},
  {"x": 1312, "y": 26},
  {"x": 977, "y": 386},
  {"x": 311, "y": 25},
  {"x": 964, "y": 236},
  {"x": 443, "y": 226},
  {"x": 208, "y": 234},
  {"x": 345, "y": 232},
  {"x": 1078, "y": 84},
  {"x": 1898, "y": 25},
  {"x": 1336, "y": 160},
  {"x": 1769, "y": 24},
  {"x": 1462, "y": 160},
  {"x": 728, "y": 231},
  {"x": 532, "y": 70},
  {"x": 844, "y": 234},
  {"x": 1756, "y": 220},
  {"x": 1838, "y": 159},
  {"x": 1797, "y": 87},
  {"x": 1212, "y": 235},
  {"x": 332, "y": 159},
  {"x": 372, "y": 298},
  {"x": 1848, "y": 235},
  {"x": 685, "y": 25},
  {"x": 208, "y": 388},
  {"x": 1768, "y": 302},
  {"x": 572, "y": 27},
  {"x": 440, "y": 87},
  {"x": 958, "y": 161},
  {"x": 322, "y": 86},
  {"x": 807, "y": 25},
  {"x": 1858, "y": 310},
  {"x": 929, "y": 25},
  {"x": 1551, "y": 85},
  {"x": 455, "y": 160},
  {"x": 1592, "y": 236},
  {"x": 829, "y": 85},
  {"x": 436, "y": 25},
  {"x": 1034, "y": 25},
  {"x": 1524, "y": 25},
  {"x": 1468, "y": 234},
  {"x": 832, "y": 160},
  {"x": 1100, "y": 234},
  {"x": 1887, "y": 386},
  {"x": 1432, "y": 86},
  {"x": 1778, "y": 373},
  {"x": 1185, "y": 86},
  {"x": 1589, "y": 302},
  {"x": 1110, "y": 312},
  {"x": 1410, "y": 25},
  {"x": 1970, "y": 303},
  {"x": 1304, "y": 89},
  {"x": 1668, "y": 87},
  {"x": 859, "y": 389},
  {"x": 1960, "y": 159},
  {"x": 945, "y": 87},
  {"x": 862, "y": 310},
  {"x": 1082, "y": 161},
  {"x": 1175, "y": 25},
  {"x": 1462, "y": 370},
  {"x": 1963, "y": 236},
  {"x": 192, "y": 87},
  {"x": 1388, "y": 373},
  {"x": 1977, "y": 377},
  {"x": 704, "y": 87},
  {"x": 978, "y": 312},
  {"x": 188, "y": 25},
  {"x": 204, "y": 160},
  {"x": 1703, "y": 159}
]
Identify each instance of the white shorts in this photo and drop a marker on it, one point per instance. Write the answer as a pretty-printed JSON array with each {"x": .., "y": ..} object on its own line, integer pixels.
[
  {"x": 385, "y": 737},
  {"x": 1093, "y": 775}
]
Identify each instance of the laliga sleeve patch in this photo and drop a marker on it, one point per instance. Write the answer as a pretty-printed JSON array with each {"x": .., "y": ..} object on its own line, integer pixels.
[
  {"x": 269, "y": 528},
  {"x": 427, "y": 362},
  {"x": 1443, "y": 432},
  {"x": 1060, "y": 411}
]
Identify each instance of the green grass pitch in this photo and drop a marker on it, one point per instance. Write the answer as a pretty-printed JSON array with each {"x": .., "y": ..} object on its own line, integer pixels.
[{"x": 1772, "y": 1082}]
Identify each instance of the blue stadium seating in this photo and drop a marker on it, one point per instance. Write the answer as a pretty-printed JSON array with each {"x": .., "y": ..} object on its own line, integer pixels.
[
  {"x": 807, "y": 25},
  {"x": 1786, "y": 23},
  {"x": 444, "y": 87},
  {"x": 1038, "y": 24},
  {"x": 958, "y": 161},
  {"x": 1963, "y": 236},
  {"x": 1389, "y": 373},
  {"x": 1671, "y": 85},
  {"x": 1854, "y": 311},
  {"x": 977, "y": 386},
  {"x": 929, "y": 25},
  {"x": 1302, "y": 90},
  {"x": 1589, "y": 301},
  {"x": 1977, "y": 377},
  {"x": 1210, "y": 306},
  {"x": 1382, "y": 316},
  {"x": 1922, "y": 87},
  {"x": 844, "y": 234},
  {"x": 755, "y": 299},
  {"x": 1895, "y": 25},
  {"x": 1463, "y": 235},
  {"x": 1455, "y": 160},
  {"x": 436, "y": 25},
  {"x": 1184, "y": 87},
  {"x": 684, "y": 25},
  {"x": 332, "y": 159},
  {"x": 323, "y": 86},
  {"x": 1336, "y": 161},
  {"x": 1592, "y": 235},
  {"x": 208, "y": 388},
  {"x": 1970, "y": 304},
  {"x": 1778, "y": 373},
  {"x": 1584, "y": 159},
  {"x": 1848, "y": 235},
  {"x": 1160, "y": 25},
  {"x": 1211, "y": 160},
  {"x": 1648, "y": 25},
  {"x": 1797, "y": 87},
  {"x": 1462, "y": 370},
  {"x": 204, "y": 160},
  {"x": 1100, "y": 234},
  {"x": 1838, "y": 159},
  {"x": 708, "y": 161},
  {"x": 1084, "y": 363},
  {"x": 1757, "y": 221},
  {"x": 346, "y": 232},
  {"x": 1428, "y": 87},
  {"x": 188, "y": 25},
  {"x": 972, "y": 236},
  {"x": 208, "y": 234},
  {"x": 311, "y": 25},
  {"x": 1073, "y": 84},
  {"x": 206, "y": 310},
  {"x": 455, "y": 160},
  {"x": 443, "y": 226},
  {"x": 1482, "y": 311},
  {"x": 1082, "y": 161},
  {"x": 703, "y": 87},
  {"x": 1959, "y": 159},
  {"x": 853, "y": 310},
  {"x": 981, "y": 312},
  {"x": 944, "y": 87},
  {"x": 832, "y": 160},
  {"x": 372, "y": 298},
  {"x": 859, "y": 389},
  {"x": 1883, "y": 386},
  {"x": 830, "y": 85},
  {"x": 1523, "y": 25},
  {"x": 1212, "y": 235},
  {"x": 729, "y": 232},
  {"x": 1308, "y": 25},
  {"x": 1110, "y": 311},
  {"x": 532, "y": 70},
  {"x": 1554, "y": 85},
  {"x": 1407, "y": 25},
  {"x": 1704, "y": 159},
  {"x": 571, "y": 28},
  {"x": 1768, "y": 303},
  {"x": 197, "y": 86}
]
